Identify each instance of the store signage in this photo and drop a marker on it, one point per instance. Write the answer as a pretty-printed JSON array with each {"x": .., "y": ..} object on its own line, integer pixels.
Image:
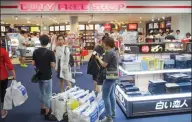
[
  {"x": 132, "y": 26},
  {"x": 131, "y": 49},
  {"x": 107, "y": 26},
  {"x": 157, "y": 48},
  {"x": 161, "y": 105},
  {"x": 106, "y": 6},
  {"x": 71, "y": 6},
  {"x": 145, "y": 49}
]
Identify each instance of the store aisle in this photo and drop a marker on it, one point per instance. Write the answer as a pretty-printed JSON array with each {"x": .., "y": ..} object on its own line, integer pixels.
[{"x": 29, "y": 112}]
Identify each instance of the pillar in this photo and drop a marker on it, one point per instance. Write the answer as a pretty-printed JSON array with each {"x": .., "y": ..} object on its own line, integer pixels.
[{"x": 74, "y": 25}]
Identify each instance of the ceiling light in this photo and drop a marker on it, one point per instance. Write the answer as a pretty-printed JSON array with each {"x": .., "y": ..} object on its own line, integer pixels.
[
  {"x": 28, "y": 22},
  {"x": 2, "y": 22},
  {"x": 44, "y": 28},
  {"x": 163, "y": 17},
  {"x": 37, "y": 24},
  {"x": 152, "y": 19},
  {"x": 23, "y": 25},
  {"x": 6, "y": 23},
  {"x": 140, "y": 22},
  {"x": 16, "y": 18},
  {"x": 158, "y": 18},
  {"x": 140, "y": 17}
]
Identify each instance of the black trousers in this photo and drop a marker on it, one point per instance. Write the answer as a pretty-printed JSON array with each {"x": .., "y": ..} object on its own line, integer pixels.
[{"x": 3, "y": 87}]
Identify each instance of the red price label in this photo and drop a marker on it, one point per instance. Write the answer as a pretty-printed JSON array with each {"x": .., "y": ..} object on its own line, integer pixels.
[{"x": 145, "y": 49}]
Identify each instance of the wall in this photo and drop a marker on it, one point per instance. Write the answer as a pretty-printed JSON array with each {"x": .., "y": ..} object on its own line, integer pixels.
[{"x": 182, "y": 23}]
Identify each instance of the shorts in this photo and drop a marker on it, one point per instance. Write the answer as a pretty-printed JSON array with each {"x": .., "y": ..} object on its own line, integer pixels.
[
  {"x": 22, "y": 52},
  {"x": 66, "y": 73},
  {"x": 96, "y": 78}
]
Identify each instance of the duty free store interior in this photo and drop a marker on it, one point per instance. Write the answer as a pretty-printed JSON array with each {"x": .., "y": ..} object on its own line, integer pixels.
[{"x": 155, "y": 73}]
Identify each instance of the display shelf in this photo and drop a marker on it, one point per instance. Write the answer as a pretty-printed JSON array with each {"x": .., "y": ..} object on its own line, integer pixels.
[{"x": 154, "y": 71}]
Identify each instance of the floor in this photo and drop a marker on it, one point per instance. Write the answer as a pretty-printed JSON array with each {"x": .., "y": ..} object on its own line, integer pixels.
[{"x": 29, "y": 111}]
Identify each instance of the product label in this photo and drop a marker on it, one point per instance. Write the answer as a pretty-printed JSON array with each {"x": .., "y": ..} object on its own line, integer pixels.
[
  {"x": 145, "y": 49},
  {"x": 22, "y": 89}
]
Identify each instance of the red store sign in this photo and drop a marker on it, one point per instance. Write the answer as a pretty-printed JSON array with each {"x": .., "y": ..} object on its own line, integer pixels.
[
  {"x": 107, "y": 26},
  {"x": 71, "y": 6}
]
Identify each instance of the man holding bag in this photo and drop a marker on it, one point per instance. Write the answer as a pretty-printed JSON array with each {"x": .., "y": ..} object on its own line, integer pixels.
[
  {"x": 5, "y": 65},
  {"x": 44, "y": 60}
]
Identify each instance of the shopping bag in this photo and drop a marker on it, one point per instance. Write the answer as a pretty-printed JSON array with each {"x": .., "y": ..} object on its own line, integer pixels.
[
  {"x": 8, "y": 99},
  {"x": 90, "y": 97},
  {"x": 19, "y": 93},
  {"x": 84, "y": 52}
]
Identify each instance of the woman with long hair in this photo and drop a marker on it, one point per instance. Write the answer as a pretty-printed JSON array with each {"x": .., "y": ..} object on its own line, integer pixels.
[{"x": 5, "y": 66}]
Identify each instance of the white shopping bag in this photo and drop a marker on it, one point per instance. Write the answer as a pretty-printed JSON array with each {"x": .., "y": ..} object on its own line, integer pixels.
[
  {"x": 19, "y": 93},
  {"x": 60, "y": 107},
  {"x": 8, "y": 99}
]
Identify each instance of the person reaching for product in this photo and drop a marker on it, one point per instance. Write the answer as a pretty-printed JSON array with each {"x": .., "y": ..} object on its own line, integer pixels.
[
  {"x": 110, "y": 62},
  {"x": 63, "y": 68},
  {"x": 5, "y": 65},
  {"x": 44, "y": 61},
  {"x": 22, "y": 47}
]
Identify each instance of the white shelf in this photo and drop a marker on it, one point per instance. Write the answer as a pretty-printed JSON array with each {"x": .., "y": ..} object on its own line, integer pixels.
[{"x": 154, "y": 71}]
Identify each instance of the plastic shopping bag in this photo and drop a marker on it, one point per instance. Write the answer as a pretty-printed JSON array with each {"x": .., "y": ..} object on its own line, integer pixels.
[
  {"x": 60, "y": 108},
  {"x": 71, "y": 105},
  {"x": 19, "y": 93},
  {"x": 90, "y": 97},
  {"x": 71, "y": 95},
  {"x": 8, "y": 99},
  {"x": 81, "y": 95},
  {"x": 91, "y": 114},
  {"x": 76, "y": 113}
]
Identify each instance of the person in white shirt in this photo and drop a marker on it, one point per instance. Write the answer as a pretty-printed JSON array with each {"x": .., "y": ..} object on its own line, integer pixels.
[
  {"x": 178, "y": 35},
  {"x": 22, "y": 47},
  {"x": 63, "y": 68},
  {"x": 53, "y": 42},
  {"x": 35, "y": 40}
]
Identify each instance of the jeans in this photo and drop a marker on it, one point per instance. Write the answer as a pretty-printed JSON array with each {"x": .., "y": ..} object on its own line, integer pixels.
[
  {"x": 46, "y": 92},
  {"x": 109, "y": 97}
]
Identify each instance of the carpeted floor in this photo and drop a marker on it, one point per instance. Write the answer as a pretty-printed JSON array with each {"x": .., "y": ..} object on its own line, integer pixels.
[{"x": 29, "y": 112}]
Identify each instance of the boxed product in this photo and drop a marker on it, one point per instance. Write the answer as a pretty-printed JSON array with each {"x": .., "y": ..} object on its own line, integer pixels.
[
  {"x": 134, "y": 94},
  {"x": 180, "y": 62},
  {"x": 169, "y": 64},
  {"x": 172, "y": 88},
  {"x": 132, "y": 66},
  {"x": 131, "y": 89},
  {"x": 157, "y": 86},
  {"x": 158, "y": 64},
  {"x": 185, "y": 87},
  {"x": 128, "y": 58},
  {"x": 188, "y": 60},
  {"x": 148, "y": 63},
  {"x": 126, "y": 84},
  {"x": 179, "y": 78}
]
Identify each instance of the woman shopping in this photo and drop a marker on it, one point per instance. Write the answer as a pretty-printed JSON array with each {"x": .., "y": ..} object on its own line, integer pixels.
[
  {"x": 62, "y": 63},
  {"x": 5, "y": 65},
  {"x": 110, "y": 63}
]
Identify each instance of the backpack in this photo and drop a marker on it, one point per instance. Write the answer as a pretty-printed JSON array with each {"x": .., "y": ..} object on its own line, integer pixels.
[{"x": 71, "y": 59}]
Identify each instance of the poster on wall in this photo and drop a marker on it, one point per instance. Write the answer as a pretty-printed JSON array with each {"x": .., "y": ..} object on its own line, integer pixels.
[
  {"x": 25, "y": 28},
  {"x": 81, "y": 27},
  {"x": 2, "y": 28},
  {"x": 68, "y": 27},
  {"x": 150, "y": 25},
  {"x": 56, "y": 28},
  {"x": 14, "y": 39},
  {"x": 51, "y": 28},
  {"x": 89, "y": 27},
  {"x": 62, "y": 28},
  {"x": 156, "y": 25},
  {"x": 132, "y": 26},
  {"x": 130, "y": 37},
  {"x": 107, "y": 27},
  {"x": 162, "y": 24},
  {"x": 35, "y": 29}
]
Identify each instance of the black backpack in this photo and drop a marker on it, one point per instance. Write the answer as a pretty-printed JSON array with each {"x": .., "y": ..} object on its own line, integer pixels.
[{"x": 71, "y": 59}]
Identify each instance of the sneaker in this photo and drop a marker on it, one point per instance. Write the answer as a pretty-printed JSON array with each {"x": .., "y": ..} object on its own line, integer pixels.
[
  {"x": 25, "y": 65},
  {"x": 107, "y": 119},
  {"x": 42, "y": 112},
  {"x": 50, "y": 117}
]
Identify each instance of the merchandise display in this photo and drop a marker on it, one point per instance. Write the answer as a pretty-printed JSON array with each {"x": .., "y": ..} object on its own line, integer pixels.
[{"x": 162, "y": 84}]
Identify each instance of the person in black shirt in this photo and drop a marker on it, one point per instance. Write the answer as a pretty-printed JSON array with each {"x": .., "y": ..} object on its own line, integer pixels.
[{"x": 44, "y": 60}]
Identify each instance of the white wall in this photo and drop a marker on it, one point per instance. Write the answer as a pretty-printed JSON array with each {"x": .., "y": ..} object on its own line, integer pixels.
[{"x": 182, "y": 23}]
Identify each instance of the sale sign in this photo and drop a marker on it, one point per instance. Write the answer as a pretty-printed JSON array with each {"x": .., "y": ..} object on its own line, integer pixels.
[
  {"x": 107, "y": 26},
  {"x": 132, "y": 26}
]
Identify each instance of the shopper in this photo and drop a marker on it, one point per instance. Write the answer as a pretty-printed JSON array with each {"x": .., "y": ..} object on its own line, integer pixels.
[
  {"x": 110, "y": 63},
  {"x": 63, "y": 68},
  {"x": 22, "y": 47},
  {"x": 170, "y": 36},
  {"x": 94, "y": 66},
  {"x": 178, "y": 35},
  {"x": 53, "y": 41},
  {"x": 35, "y": 40},
  {"x": 187, "y": 36},
  {"x": 5, "y": 65},
  {"x": 44, "y": 60}
]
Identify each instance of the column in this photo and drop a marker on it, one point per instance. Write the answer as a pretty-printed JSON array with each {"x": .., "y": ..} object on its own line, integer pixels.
[{"x": 74, "y": 25}]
